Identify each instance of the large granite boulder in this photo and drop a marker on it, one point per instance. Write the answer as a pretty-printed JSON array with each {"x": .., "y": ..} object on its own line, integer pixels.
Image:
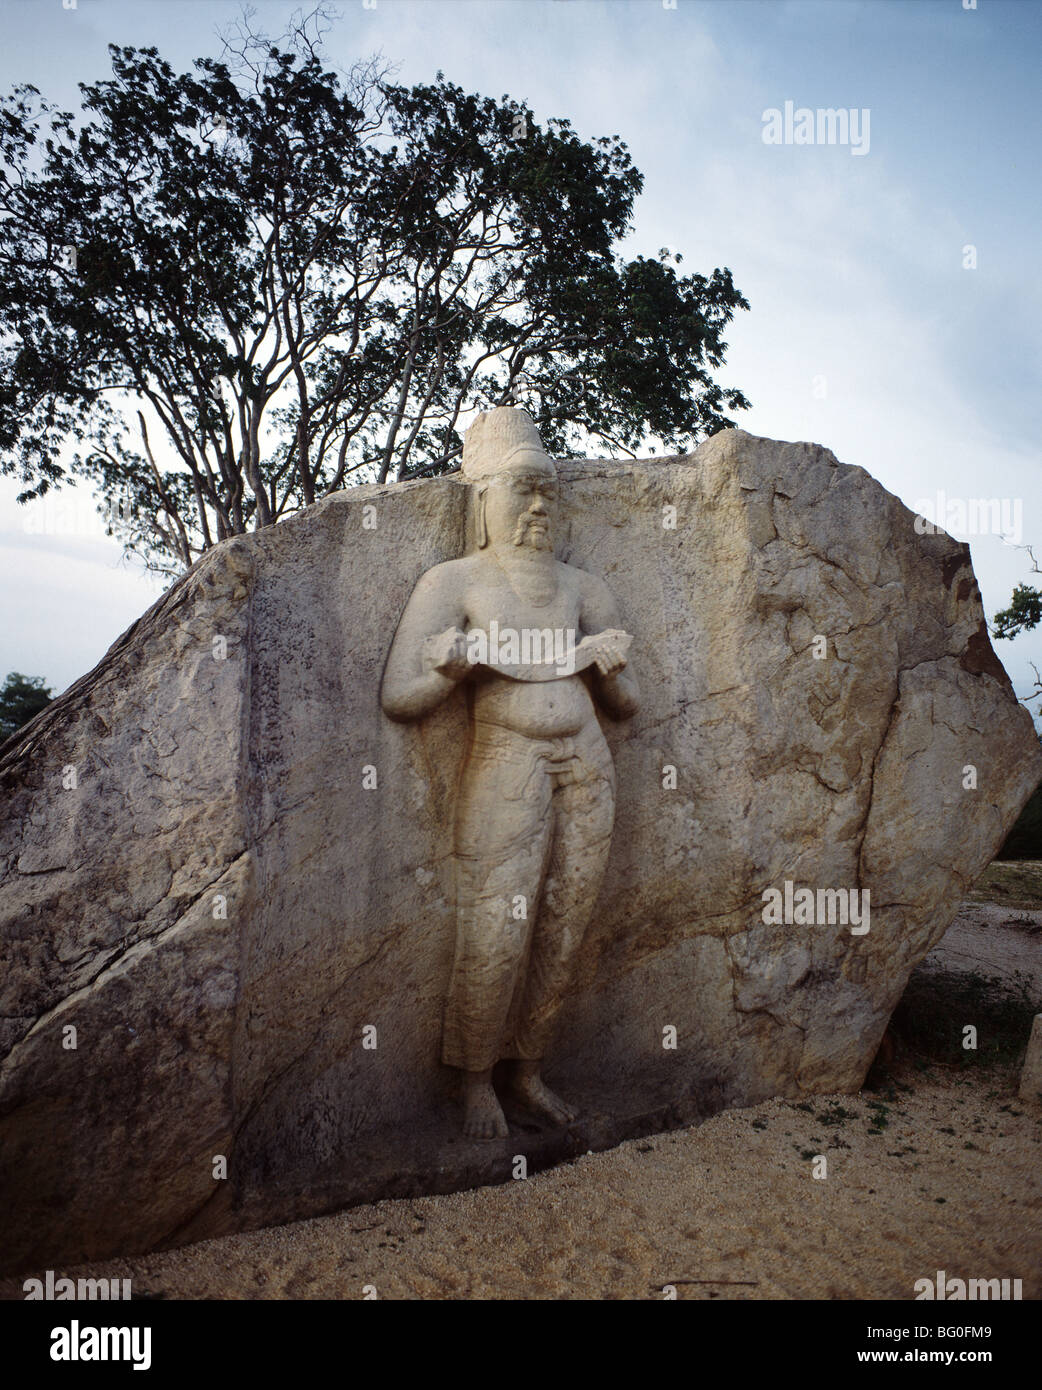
[{"x": 223, "y": 867}]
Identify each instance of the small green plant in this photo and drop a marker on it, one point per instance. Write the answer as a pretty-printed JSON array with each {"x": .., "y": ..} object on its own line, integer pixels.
[
  {"x": 836, "y": 1114},
  {"x": 880, "y": 1116}
]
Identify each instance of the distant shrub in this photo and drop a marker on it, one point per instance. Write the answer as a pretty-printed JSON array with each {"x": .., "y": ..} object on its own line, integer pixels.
[{"x": 21, "y": 699}]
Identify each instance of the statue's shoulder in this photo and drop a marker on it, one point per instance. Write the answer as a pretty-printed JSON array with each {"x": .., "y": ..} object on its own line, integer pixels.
[
  {"x": 447, "y": 576},
  {"x": 588, "y": 583},
  {"x": 447, "y": 570},
  {"x": 598, "y": 608}
]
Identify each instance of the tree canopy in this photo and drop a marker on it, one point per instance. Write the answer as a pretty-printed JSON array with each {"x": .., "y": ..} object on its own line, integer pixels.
[
  {"x": 21, "y": 699},
  {"x": 1023, "y": 614},
  {"x": 227, "y": 293}
]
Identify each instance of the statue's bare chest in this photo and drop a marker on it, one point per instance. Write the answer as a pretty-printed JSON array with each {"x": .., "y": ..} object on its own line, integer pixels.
[{"x": 529, "y": 605}]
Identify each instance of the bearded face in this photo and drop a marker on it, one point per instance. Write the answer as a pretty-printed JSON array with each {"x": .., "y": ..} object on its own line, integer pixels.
[
  {"x": 534, "y": 531},
  {"x": 521, "y": 506}
]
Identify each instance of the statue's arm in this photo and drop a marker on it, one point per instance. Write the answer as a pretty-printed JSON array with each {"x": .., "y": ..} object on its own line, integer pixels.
[
  {"x": 412, "y": 685},
  {"x": 617, "y": 693}
]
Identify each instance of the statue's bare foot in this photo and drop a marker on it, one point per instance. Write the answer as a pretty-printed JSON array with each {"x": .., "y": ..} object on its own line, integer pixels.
[
  {"x": 483, "y": 1116},
  {"x": 531, "y": 1091}
]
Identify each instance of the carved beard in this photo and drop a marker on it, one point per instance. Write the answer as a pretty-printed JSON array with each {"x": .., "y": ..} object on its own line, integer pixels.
[{"x": 540, "y": 540}]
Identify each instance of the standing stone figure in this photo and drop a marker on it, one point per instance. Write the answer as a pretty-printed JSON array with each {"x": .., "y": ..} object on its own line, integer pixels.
[{"x": 536, "y": 801}]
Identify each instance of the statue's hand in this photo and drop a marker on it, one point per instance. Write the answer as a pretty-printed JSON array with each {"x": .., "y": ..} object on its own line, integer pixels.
[
  {"x": 446, "y": 653},
  {"x": 609, "y": 650}
]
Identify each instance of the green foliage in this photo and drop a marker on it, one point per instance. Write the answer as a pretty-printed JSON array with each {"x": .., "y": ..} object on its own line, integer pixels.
[
  {"x": 835, "y": 1114},
  {"x": 21, "y": 699},
  {"x": 1023, "y": 614},
  {"x": 879, "y": 1117},
  {"x": 235, "y": 291}
]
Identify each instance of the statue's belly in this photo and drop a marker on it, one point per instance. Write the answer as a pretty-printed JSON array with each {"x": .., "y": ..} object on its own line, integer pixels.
[{"x": 537, "y": 709}]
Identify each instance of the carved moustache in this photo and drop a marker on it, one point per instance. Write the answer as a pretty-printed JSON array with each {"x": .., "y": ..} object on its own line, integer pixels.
[{"x": 541, "y": 540}]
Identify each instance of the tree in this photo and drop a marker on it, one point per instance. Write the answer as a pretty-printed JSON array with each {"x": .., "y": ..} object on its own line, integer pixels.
[
  {"x": 21, "y": 699},
  {"x": 1023, "y": 615},
  {"x": 1025, "y": 610},
  {"x": 228, "y": 293}
]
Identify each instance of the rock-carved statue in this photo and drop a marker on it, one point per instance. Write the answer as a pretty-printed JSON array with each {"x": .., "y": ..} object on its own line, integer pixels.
[{"x": 539, "y": 645}]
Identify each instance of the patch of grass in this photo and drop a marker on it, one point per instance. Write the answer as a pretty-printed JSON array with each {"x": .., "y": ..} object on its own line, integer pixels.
[
  {"x": 836, "y": 1114},
  {"x": 880, "y": 1116}
]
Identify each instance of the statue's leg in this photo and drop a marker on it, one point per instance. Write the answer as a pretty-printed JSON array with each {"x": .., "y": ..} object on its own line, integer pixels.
[
  {"x": 501, "y": 849},
  {"x": 583, "y": 814}
]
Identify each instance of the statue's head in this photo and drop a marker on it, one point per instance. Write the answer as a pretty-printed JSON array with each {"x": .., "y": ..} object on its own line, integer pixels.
[{"x": 515, "y": 480}]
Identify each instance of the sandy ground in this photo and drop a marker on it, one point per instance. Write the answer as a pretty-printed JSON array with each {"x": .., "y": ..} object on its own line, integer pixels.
[{"x": 936, "y": 1168}]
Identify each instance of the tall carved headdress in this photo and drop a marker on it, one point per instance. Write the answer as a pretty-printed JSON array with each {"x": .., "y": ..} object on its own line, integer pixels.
[{"x": 492, "y": 440}]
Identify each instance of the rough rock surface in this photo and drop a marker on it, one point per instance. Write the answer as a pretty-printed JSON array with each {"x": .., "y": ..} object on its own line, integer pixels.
[{"x": 220, "y": 908}]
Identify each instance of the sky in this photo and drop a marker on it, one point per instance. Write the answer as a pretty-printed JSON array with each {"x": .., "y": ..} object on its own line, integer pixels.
[{"x": 893, "y": 280}]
